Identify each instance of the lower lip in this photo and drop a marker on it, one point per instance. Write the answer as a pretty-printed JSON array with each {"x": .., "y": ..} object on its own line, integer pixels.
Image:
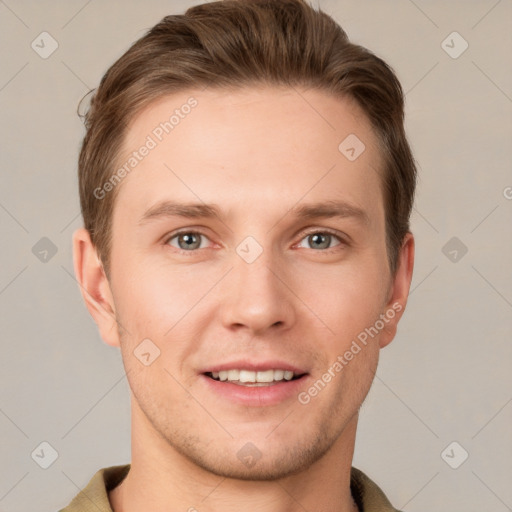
[{"x": 256, "y": 396}]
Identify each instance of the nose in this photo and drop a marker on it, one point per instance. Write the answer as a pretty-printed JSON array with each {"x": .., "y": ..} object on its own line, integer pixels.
[{"x": 257, "y": 297}]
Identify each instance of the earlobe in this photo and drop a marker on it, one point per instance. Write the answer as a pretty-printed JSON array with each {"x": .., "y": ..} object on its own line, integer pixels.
[
  {"x": 399, "y": 292},
  {"x": 94, "y": 286}
]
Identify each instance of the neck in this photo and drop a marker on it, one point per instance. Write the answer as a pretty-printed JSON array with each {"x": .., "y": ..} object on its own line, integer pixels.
[{"x": 160, "y": 478}]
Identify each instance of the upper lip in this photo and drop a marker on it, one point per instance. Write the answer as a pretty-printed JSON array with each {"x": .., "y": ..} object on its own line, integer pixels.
[{"x": 254, "y": 366}]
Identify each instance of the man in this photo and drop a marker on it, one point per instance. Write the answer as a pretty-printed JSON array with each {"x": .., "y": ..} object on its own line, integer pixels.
[{"x": 246, "y": 186}]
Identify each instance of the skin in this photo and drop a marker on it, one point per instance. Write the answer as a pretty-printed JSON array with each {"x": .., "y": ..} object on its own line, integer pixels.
[{"x": 256, "y": 153}]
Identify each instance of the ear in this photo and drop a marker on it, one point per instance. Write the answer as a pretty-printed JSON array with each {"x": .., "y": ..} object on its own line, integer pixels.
[
  {"x": 94, "y": 286},
  {"x": 399, "y": 291}
]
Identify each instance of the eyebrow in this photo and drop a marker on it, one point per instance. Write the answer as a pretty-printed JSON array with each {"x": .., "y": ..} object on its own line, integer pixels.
[
  {"x": 326, "y": 209},
  {"x": 166, "y": 209},
  {"x": 330, "y": 209}
]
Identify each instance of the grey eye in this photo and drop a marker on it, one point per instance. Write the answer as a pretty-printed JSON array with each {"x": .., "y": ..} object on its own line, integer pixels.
[
  {"x": 187, "y": 241},
  {"x": 319, "y": 240}
]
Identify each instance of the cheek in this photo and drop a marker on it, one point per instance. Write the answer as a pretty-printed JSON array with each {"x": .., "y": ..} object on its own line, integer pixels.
[
  {"x": 347, "y": 298},
  {"x": 162, "y": 303}
]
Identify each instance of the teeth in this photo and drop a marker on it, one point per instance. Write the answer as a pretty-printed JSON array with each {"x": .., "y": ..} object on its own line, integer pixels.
[
  {"x": 278, "y": 374},
  {"x": 246, "y": 376},
  {"x": 233, "y": 375},
  {"x": 266, "y": 376},
  {"x": 249, "y": 376}
]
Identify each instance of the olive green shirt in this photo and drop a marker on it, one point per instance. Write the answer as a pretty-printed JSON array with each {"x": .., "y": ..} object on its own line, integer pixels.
[{"x": 94, "y": 497}]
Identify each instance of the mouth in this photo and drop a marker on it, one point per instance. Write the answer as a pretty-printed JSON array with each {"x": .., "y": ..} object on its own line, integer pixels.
[
  {"x": 252, "y": 378},
  {"x": 254, "y": 383}
]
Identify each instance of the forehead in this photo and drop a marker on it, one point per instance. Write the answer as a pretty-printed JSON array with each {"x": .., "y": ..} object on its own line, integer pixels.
[{"x": 264, "y": 146}]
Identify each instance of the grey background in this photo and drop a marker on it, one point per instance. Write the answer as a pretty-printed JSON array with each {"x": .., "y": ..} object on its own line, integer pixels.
[{"x": 445, "y": 378}]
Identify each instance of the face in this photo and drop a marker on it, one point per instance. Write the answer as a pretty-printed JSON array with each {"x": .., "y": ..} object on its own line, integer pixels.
[{"x": 249, "y": 276}]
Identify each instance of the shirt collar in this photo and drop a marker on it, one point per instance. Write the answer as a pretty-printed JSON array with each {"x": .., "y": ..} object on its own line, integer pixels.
[{"x": 94, "y": 497}]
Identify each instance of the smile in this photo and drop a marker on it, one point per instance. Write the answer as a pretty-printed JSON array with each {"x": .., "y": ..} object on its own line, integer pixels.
[{"x": 253, "y": 378}]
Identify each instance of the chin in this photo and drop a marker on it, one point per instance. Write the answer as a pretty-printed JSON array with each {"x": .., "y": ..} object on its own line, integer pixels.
[{"x": 248, "y": 462}]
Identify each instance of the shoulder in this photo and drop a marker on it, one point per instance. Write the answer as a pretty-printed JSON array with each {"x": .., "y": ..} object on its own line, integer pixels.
[
  {"x": 94, "y": 496},
  {"x": 367, "y": 494}
]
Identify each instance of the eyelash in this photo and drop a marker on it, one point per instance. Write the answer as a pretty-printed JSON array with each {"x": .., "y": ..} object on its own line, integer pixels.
[{"x": 324, "y": 231}]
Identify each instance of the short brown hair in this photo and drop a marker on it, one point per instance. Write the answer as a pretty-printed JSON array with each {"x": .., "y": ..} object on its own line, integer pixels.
[{"x": 236, "y": 44}]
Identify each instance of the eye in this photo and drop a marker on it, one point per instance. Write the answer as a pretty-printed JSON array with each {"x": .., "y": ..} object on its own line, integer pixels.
[
  {"x": 320, "y": 240},
  {"x": 187, "y": 240}
]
